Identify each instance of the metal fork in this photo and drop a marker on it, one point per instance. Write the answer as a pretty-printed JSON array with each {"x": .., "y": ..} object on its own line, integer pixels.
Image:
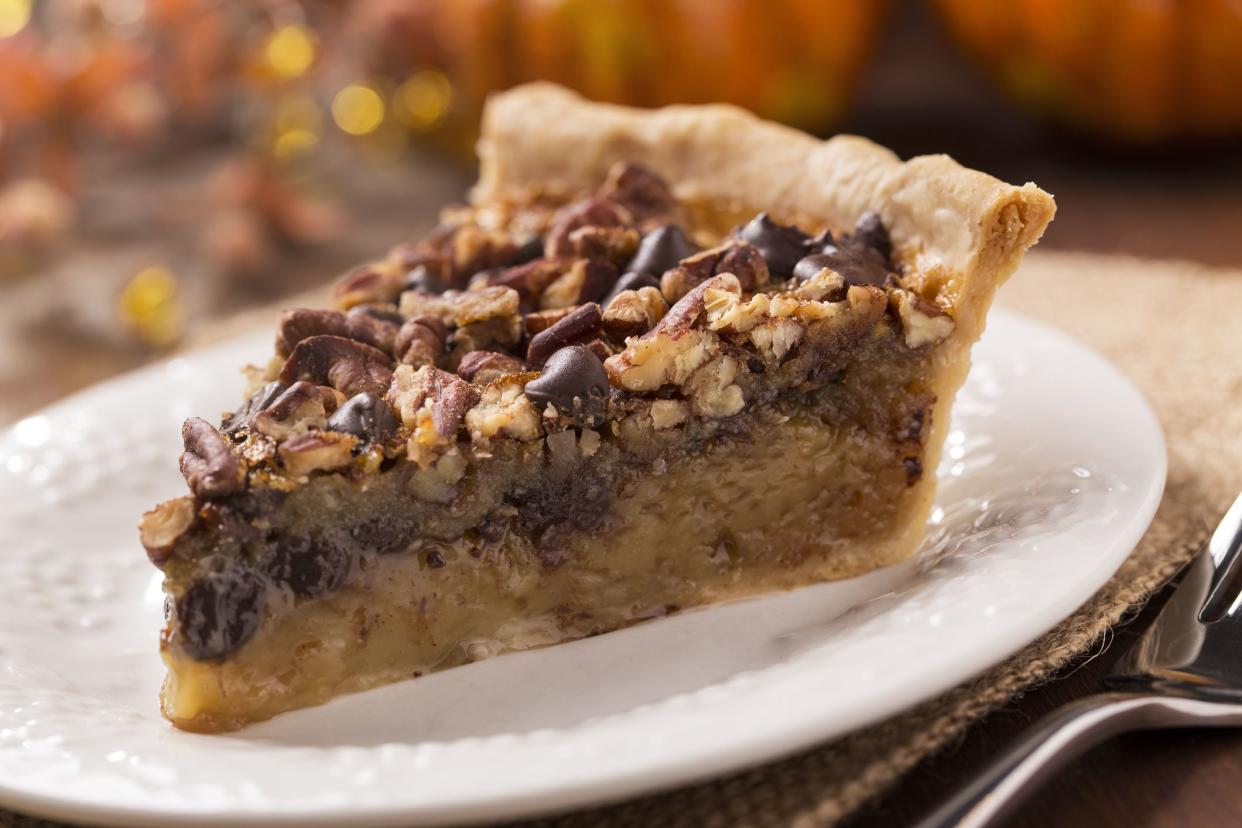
[{"x": 1185, "y": 671}]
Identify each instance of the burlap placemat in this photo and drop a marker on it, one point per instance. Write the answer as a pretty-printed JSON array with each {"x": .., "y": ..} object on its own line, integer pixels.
[{"x": 1172, "y": 328}]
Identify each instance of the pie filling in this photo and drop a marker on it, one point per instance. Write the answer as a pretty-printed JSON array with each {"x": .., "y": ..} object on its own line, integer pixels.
[{"x": 557, "y": 415}]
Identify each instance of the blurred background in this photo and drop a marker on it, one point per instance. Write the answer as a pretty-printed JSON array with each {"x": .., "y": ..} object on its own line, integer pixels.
[{"x": 167, "y": 163}]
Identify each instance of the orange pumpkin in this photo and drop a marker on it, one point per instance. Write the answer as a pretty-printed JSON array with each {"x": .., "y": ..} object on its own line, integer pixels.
[
  {"x": 791, "y": 60},
  {"x": 1137, "y": 70}
]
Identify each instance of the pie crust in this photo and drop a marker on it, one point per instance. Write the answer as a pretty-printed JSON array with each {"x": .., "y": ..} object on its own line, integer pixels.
[{"x": 490, "y": 446}]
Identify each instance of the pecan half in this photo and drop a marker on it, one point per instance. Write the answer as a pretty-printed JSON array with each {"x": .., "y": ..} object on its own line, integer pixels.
[
  {"x": 161, "y": 528},
  {"x": 349, "y": 366},
  {"x": 303, "y": 323},
  {"x": 580, "y": 325},
  {"x": 208, "y": 463},
  {"x": 586, "y": 281},
  {"x": 616, "y": 244},
  {"x": 380, "y": 282},
  {"x": 420, "y": 341}
]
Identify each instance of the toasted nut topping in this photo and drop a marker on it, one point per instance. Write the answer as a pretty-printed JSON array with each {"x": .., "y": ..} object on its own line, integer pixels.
[
  {"x": 163, "y": 526},
  {"x": 460, "y": 308},
  {"x": 645, "y": 194},
  {"x": 586, "y": 281},
  {"x": 593, "y": 211},
  {"x": 579, "y": 326},
  {"x": 537, "y": 321},
  {"x": 483, "y": 367},
  {"x": 420, "y": 341},
  {"x": 736, "y": 257},
  {"x": 300, "y": 408},
  {"x": 615, "y": 244},
  {"x": 296, "y": 325},
  {"x": 316, "y": 451},
  {"x": 208, "y": 463},
  {"x": 633, "y": 313},
  {"x": 504, "y": 408},
  {"x": 923, "y": 322},
  {"x": 379, "y": 282},
  {"x": 345, "y": 364},
  {"x": 531, "y": 279},
  {"x": 259, "y": 400},
  {"x": 445, "y": 396},
  {"x": 475, "y": 249}
]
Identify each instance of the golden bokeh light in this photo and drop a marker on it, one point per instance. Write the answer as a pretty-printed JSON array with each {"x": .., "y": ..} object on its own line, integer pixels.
[
  {"x": 358, "y": 109},
  {"x": 149, "y": 306},
  {"x": 14, "y": 15},
  {"x": 422, "y": 101},
  {"x": 290, "y": 50}
]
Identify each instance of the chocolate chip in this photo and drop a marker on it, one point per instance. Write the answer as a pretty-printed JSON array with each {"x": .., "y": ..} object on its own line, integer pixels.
[
  {"x": 781, "y": 245},
  {"x": 661, "y": 249},
  {"x": 366, "y": 416},
  {"x": 857, "y": 265},
  {"x": 258, "y": 401},
  {"x": 630, "y": 281},
  {"x": 435, "y": 559},
  {"x": 309, "y": 567},
  {"x": 575, "y": 382},
  {"x": 870, "y": 232},
  {"x": 208, "y": 463},
  {"x": 529, "y": 251},
  {"x": 582, "y": 324},
  {"x": 219, "y": 613}
]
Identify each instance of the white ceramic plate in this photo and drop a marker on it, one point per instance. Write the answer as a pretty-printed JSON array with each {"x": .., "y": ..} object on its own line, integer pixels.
[{"x": 1052, "y": 472}]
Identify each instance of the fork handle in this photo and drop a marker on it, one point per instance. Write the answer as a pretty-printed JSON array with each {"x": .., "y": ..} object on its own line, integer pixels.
[{"x": 1060, "y": 737}]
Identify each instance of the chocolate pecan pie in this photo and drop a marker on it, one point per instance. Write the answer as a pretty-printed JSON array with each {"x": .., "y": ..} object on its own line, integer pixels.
[{"x": 661, "y": 359}]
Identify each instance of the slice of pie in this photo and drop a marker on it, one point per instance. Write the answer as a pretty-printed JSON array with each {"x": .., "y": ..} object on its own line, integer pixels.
[{"x": 662, "y": 359}]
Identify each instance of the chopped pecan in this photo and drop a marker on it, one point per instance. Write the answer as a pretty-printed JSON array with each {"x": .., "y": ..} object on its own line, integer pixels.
[
  {"x": 586, "y": 281},
  {"x": 302, "y": 323},
  {"x": 300, "y": 408},
  {"x": 922, "y": 322},
  {"x": 537, "y": 321},
  {"x": 615, "y": 244},
  {"x": 208, "y": 463},
  {"x": 420, "y": 341},
  {"x": 633, "y": 313},
  {"x": 741, "y": 259},
  {"x": 474, "y": 248},
  {"x": 644, "y": 193},
  {"x": 531, "y": 279},
  {"x": 316, "y": 451},
  {"x": 444, "y": 396},
  {"x": 593, "y": 211},
  {"x": 580, "y": 325},
  {"x": 460, "y": 308},
  {"x": 675, "y": 348},
  {"x": 504, "y": 408},
  {"x": 161, "y": 528},
  {"x": 712, "y": 390},
  {"x": 349, "y": 366},
  {"x": 483, "y": 367},
  {"x": 379, "y": 282}
]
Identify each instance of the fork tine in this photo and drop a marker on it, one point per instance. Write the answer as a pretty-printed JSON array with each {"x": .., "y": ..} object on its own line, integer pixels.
[{"x": 1225, "y": 548}]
